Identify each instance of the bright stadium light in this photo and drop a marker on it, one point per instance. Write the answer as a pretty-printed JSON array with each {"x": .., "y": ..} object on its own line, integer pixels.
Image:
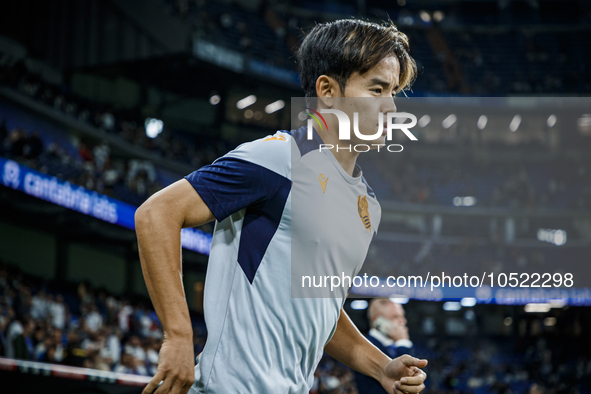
[
  {"x": 245, "y": 102},
  {"x": 438, "y": 16},
  {"x": 359, "y": 305},
  {"x": 584, "y": 124},
  {"x": 550, "y": 321},
  {"x": 451, "y": 306},
  {"x": 556, "y": 237},
  {"x": 449, "y": 121},
  {"x": 467, "y": 201},
  {"x": 215, "y": 99},
  {"x": 153, "y": 127},
  {"x": 557, "y": 303},
  {"x": 468, "y": 301},
  {"x": 559, "y": 237},
  {"x": 399, "y": 300},
  {"x": 537, "y": 307},
  {"x": 482, "y": 121},
  {"x": 584, "y": 121},
  {"x": 551, "y": 120},
  {"x": 515, "y": 123},
  {"x": 425, "y": 17},
  {"x": 424, "y": 121},
  {"x": 275, "y": 106}
]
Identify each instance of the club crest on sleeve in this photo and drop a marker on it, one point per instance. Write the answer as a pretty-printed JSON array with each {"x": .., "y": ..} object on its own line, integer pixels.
[{"x": 363, "y": 210}]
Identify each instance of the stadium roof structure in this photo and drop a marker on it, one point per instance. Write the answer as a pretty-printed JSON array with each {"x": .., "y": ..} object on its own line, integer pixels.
[{"x": 190, "y": 76}]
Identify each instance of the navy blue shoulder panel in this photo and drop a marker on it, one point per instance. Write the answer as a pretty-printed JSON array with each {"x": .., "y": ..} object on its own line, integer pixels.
[
  {"x": 260, "y": 225},
  {"x": 229, "y": 185},
  {"x": 305, "y": 145}
]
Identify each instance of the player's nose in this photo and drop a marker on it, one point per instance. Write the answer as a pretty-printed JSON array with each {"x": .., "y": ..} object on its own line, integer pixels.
[{"x": 388, "y": 105}]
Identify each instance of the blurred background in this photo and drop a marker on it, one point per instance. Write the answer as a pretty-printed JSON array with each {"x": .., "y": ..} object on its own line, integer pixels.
[{"x": 103, "y": 103}]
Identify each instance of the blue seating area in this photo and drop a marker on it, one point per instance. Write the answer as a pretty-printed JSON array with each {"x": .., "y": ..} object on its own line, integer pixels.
[
  {"x": 418, "y": 258},
  {"x": 547, "y": 184},
  {"x": 493, "y": 62},
  {"x": 541, "y": 62}
]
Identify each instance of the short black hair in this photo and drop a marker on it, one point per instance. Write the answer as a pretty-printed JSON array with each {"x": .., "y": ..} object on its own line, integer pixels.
[{"x": 340, "y": 48}]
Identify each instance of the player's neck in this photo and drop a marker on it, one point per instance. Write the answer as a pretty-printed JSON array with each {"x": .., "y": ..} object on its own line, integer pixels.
[{"x": 345, "y": 154}]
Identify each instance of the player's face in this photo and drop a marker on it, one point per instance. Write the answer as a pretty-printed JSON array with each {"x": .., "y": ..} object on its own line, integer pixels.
[{"x": 371, "y": 93}]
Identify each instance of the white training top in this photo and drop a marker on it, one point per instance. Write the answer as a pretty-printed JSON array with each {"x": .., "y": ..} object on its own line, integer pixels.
[{"x": 265, "y": 335}]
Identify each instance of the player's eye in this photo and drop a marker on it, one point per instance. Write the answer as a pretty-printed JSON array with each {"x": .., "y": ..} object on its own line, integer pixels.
[{"x": 377, "y": 90}]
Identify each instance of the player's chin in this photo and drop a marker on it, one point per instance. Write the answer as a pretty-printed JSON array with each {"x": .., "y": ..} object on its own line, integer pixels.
[{"x": 378, "y": 141}]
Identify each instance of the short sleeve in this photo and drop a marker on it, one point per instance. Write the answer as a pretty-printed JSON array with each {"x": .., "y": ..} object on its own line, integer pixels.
[{"x": 231, "y": 184}]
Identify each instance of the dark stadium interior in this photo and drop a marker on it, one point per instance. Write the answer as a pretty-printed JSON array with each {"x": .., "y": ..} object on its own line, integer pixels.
[{"x": 80, "y": 82}]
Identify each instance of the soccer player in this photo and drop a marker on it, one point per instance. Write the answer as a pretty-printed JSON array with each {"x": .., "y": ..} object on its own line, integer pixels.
[{"x": 261, "y": 340}]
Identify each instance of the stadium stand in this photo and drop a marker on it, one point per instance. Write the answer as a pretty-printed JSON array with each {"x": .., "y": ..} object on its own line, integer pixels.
[
  {"x": 478, "y": 49},
  {"x": 83, "y": 327},
  {"x": 91, "y": 328},
  {"x": 542, "y": 59}
]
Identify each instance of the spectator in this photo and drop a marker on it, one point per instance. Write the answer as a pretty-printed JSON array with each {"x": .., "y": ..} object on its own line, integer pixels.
[
  {"x": 134, "y": 347},
  {"x": 152, "y": 349},
  {"x": 75, "y": 354},
  {"x": 130, "y": 365},
  {"x": 57, "y": 347},
  {"x": 113, "y": 345},
  {"x": 14, "y": 330},
  {"x": 57, "y": 311},
  {"x": 388, "y": 333},
  {"x": 39, "y": 306},
  {"x": 23, "y": 343},
  {"x": 93, "y": 319}
]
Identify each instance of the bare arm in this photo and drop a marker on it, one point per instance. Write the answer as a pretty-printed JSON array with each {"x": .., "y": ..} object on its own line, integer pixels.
[
  {"x": 158, "y": 225},
  {"x": 351, "y": 348},
  {"x": 354, "y": 350}
]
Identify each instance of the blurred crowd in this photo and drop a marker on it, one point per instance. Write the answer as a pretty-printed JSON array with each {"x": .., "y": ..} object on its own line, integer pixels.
[
  {"x": 564, "y": 184},
  {"x": 133, "y": 180},
  {"x": 514, "y": 185},
  {"x": 333, "y": 377},
  {"x": 91, "y": 166},
  {"x": 482, "y": 366},
  {"x": 506, "y": 366},
  {"x": 87, "y": 328},
  {"x": 402, "y": 258},
  {"x": 464, "y": 60},
  {"x": 540, "y": 64},
  {"x": 128, "y": 125},
  {"x": 91, "y": 328}
]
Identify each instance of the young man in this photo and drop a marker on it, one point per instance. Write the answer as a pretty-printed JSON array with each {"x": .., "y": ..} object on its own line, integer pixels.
[{"x": 261, "y": 339}]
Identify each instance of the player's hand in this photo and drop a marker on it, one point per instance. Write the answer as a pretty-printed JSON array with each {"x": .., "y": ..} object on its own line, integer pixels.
[
  {"x": 403, "y": 375},
  {"x": 176, "y": 368}
]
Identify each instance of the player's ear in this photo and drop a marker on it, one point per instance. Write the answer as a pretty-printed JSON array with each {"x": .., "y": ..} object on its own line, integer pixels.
[{"x": 326, "y": 90}]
